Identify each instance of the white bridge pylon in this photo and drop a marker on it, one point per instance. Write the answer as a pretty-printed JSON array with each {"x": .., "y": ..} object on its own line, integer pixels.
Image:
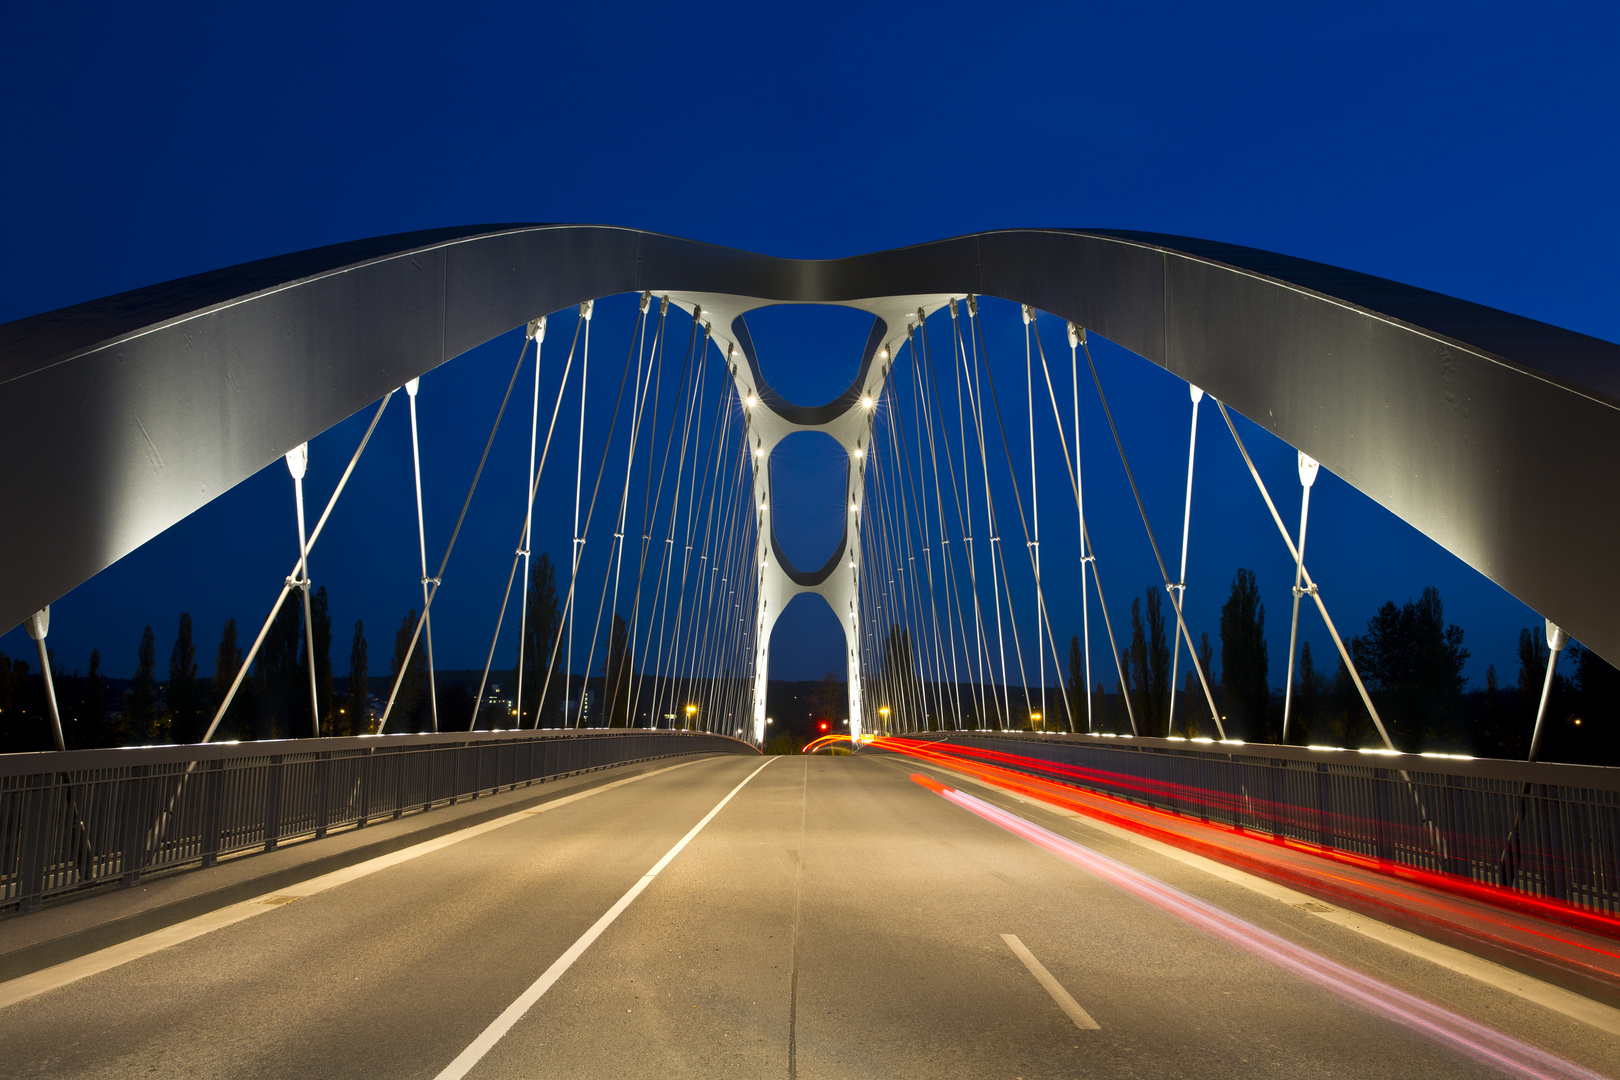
[{"x": 848, "y": 420}]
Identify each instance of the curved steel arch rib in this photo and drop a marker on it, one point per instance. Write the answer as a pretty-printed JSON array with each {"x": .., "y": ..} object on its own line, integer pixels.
[{"x": 1493, "y": 434}]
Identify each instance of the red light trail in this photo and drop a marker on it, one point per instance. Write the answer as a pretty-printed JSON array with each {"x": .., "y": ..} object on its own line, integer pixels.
[
  {"x": 1476, "y": 1041},
  {"x": 1559, "y": 941}
]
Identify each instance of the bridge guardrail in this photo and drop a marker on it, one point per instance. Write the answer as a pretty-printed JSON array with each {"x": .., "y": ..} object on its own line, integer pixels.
[
  {"x": 82, "y": 817},
  {"x": 1542, "y": 829}
]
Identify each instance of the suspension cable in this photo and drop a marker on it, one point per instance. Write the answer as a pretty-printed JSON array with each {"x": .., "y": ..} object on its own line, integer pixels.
[
  {"x": 537, "y": 331},
  {"x": 421, "y": 537},
  {"x": 454, "y": 535},
  {"x": 1197, "y": 396},
  {"x": 1181, "y": 623},
  {"x": 523, "y": 544},
  {"x": 1076, "y": 336},
  {"x": 1018, "y": 501},
  {"x": 247, "y": 662},
  {"x": 983, "y": 355},
  {"x": 1305, "y": 575}
]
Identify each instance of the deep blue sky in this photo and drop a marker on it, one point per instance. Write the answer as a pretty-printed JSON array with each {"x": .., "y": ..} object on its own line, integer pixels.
[{"x": 1465, "y": 148}]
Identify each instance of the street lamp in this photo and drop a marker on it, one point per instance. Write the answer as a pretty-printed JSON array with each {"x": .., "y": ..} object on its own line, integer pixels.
[{"x": 691, "y": 710}]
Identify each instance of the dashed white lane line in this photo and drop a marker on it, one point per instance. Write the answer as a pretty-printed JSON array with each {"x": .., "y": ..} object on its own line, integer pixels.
[
  {"x": 38, "y": 982},
  {"x": 1064, "y": 999},
  {"x": 1520, "y": 985},
  {"x": 514, "y": 1012}
]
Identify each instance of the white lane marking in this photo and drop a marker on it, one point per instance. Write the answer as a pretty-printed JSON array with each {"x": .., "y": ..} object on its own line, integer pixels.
[
  {"x": 525, "y": 1001},
  {"x": 71, "y": 971},
  {"x": 1565, "y": 1002},
  {"x": 1065, "y": 1001}
]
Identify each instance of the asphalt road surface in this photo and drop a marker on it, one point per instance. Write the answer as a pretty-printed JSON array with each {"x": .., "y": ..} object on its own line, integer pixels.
[{"x": 832, "y": 919}]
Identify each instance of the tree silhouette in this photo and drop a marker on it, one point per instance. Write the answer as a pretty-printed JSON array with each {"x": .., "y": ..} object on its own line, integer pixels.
[
  {"x": 283, "y": 704},
  {"x": 320, "y": 632},
  {"x": 896, "y": 674},
  {"x": 357, "y": 710},
  {"x": 1412, "y": 663},
  {"x": 410, "y": 703},
  {"x": 541, "y": 625},
  {"x": 1308, "y": 698},
  {"x": 619, "y": 676},
  {"x": 93, "y": 703},
  {"x": 1150, "y": 663},
  {"x": 1197, "y": 714},
  {"x": 1077, "y": 683},
  {"x": 185, "y": 699},
  {"x": 227, "y": 662},
  {"x": 1244, "y": 667},
  {"x": 1597, "y": 703},
  {"x": 141, "y": 720}
]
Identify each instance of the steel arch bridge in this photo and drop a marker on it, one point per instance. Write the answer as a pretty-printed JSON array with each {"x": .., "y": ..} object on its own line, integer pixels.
[{"x": 1490, "y": 433}]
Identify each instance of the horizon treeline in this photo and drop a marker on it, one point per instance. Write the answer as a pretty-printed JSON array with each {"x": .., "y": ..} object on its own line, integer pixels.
[
  {"x": 1409, "y": 658},
  {"x": 272, "y": 700}
]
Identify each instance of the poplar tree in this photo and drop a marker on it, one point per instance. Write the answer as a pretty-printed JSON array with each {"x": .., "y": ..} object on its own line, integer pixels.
[
  {"x": 1077, "y": 683},
  {"x": 1244, "y": 667},
  {"x": 320, "y": 633},
  {"x": 357, "y": 712},
  {"x": 185, "y": 703},
  {"x": 618, "y": 675},
  {"x": 409, "y": 703},
  {"x": 541, "y": 627},
  {"x": 282, "y": 702},
  {"x": 1412, "y": 662},
  {"x": 141, "y": 719},
  {"x": 93, "y": 707},
  {"x": 227, "y": 662}
]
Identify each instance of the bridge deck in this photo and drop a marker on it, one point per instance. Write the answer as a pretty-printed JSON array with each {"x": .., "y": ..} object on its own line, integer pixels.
[{"x": 834, "y": 919}]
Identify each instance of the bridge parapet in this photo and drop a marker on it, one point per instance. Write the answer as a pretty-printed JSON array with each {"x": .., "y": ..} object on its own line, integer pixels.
[
  {"x": 77, "y": 818},
  {"x": 1541, "y": 830}
]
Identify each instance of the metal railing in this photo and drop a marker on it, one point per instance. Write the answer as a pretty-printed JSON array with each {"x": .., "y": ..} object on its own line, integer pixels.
[
  {"x": 82, "y": 817},
  {"x": 1546, "y": 830}
]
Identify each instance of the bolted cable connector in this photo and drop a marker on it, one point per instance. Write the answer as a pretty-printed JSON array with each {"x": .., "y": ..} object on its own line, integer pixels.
[
  {"x": 1077, "y": 335},
  {"x": 953, "y": 308},
  {"x": 435, "y": 582},
  {"x": 973, "y": 306},
  {"x": 1029, "y": 314},
  {"x": 585, "y": 310},
  {"x": 1307, "y": 469},
  {"x": 663, "y": 306},
  {"x": 646, "y": 301},
  {"x": 537, "y": 329}
]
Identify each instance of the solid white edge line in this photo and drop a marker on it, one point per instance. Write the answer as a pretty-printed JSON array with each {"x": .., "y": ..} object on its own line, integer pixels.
[
  {"x": 514, "y": 1012},
  {"x": 71, "y": 971},
  {"x": 1049, "y": 983},
  {"x": 1522, "y": 986}
]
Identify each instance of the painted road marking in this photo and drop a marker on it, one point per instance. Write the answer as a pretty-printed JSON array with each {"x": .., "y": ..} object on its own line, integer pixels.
[
  {"x": 38, "y": 982},
  {"x": 1065, "y": 1001},
  {"x": 514, "y": 1012},
  {"x": 1526, "y": 987}
]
